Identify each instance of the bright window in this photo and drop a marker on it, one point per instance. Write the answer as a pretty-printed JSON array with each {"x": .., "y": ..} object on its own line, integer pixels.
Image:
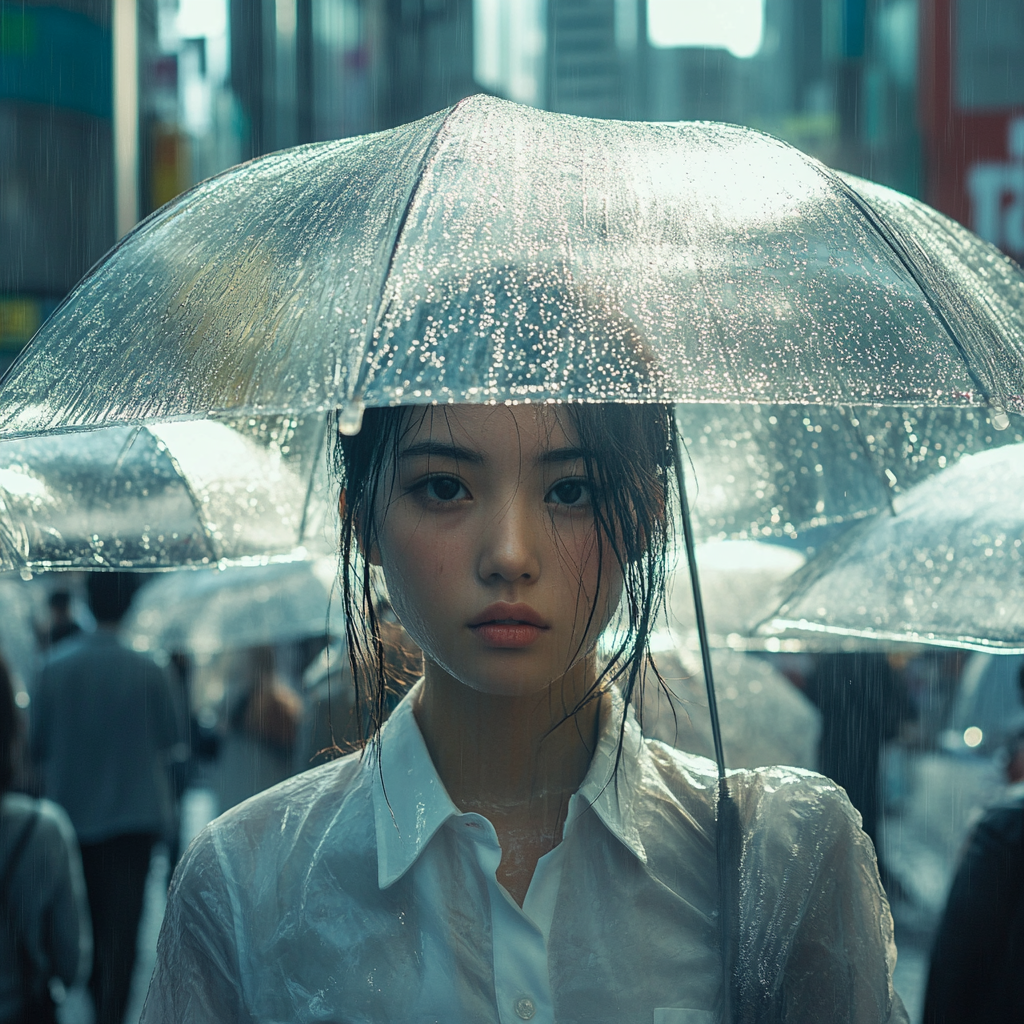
[{"x": 733, "y": 25}]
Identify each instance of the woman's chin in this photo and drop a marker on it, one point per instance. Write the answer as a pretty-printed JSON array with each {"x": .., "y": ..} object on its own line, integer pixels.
[{"x": 511, "y": 676}]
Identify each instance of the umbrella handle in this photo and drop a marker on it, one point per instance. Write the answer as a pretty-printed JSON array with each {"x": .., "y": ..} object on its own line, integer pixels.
[{"x": 727, "y": 819}]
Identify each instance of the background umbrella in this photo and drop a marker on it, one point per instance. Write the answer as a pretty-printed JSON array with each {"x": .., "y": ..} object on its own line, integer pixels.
[
  {"x": 765, "y": 719},
  {"x": 170, "y": 494},
  {"x": 946, "y": 568},
  {"x": 204, "y": 612},
  {"x": 740, "y": 583}
]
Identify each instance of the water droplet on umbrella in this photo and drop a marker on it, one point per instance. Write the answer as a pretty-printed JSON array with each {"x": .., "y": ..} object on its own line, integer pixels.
[{"x": 350, "y": 417}]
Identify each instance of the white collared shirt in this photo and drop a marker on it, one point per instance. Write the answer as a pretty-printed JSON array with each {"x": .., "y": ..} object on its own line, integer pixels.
[{"x": 359, "y": 892}]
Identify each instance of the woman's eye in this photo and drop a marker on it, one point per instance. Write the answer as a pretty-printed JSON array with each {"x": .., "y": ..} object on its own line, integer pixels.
[
  {"x": 444, "y": 488},
  {"x": 573, "y": 493}
]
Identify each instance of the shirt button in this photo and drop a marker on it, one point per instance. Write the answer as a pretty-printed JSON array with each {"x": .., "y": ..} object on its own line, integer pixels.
[{"x": 524, "y": 1008}]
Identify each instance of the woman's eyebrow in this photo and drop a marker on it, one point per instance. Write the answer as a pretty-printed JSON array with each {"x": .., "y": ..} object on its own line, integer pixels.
[
  {"x": 563, "y": 455},
  {"x": 440, "y": 450}
]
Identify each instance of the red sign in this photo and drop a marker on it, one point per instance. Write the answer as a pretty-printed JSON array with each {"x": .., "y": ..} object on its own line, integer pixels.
[{"x": 972, "y": 112}]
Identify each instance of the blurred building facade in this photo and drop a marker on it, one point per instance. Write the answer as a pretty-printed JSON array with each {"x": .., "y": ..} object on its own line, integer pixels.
[
  {"x": 56, "y": 156},
  {"x": 924, "y": 95},
  {"x": 972, "y": 88}
]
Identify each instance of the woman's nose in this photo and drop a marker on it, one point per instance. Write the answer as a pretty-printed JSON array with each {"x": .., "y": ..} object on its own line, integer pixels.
[{"x": 510, "y": 546}]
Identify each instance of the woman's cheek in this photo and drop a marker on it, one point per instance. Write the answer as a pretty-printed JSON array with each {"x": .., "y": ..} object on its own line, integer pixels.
[{"x": 418, "y": 569}]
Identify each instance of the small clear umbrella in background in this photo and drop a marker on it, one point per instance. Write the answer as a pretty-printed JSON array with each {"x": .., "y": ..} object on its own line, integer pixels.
[
  {"x": 165, "y": 495},
  {"x": 207, "y": 611},
  {"x": 497, "y": 253},
  {"x": 740, "y": 585},
  {"x": 946, "y": 568},
  {"x": 765, "y": 719}
]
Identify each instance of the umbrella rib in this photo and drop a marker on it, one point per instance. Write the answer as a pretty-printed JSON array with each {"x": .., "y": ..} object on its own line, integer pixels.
[{"x": 889, "y": 236}]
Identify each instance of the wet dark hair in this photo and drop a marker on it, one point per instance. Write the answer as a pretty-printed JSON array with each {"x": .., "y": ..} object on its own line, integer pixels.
[
  {"x": 631, "y": 453},
  {"x": 10, "y": 729}
]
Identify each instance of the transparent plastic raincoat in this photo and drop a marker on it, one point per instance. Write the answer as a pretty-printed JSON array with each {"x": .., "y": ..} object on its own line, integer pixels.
[{"x": 358, "y": 892}]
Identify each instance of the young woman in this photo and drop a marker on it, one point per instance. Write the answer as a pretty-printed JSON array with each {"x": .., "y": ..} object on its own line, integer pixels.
[{"x": 508, "y": 847}]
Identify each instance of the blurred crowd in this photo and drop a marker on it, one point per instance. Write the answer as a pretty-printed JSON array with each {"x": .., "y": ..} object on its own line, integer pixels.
[{"x": 104, "y": 733}]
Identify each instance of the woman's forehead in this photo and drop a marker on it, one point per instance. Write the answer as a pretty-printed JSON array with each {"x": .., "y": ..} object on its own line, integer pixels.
[{"x": 531, "y": 427}]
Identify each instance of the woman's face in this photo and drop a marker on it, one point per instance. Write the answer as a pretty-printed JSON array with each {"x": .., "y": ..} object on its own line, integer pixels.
[{"x": 487, "y": 539}]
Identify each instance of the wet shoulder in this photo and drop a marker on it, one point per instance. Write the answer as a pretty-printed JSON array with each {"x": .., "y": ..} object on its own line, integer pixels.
[
  {"x": 66, "y": 650},
  {"x": 92, "y": 648},
  {"x": 778, "y": 796},
  {"x": 292, "y": 824}
]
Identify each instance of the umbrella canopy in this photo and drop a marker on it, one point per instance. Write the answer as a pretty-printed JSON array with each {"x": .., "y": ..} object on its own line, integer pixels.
[
  {"x": 496, "y": 253},
  {"x": 775, "y": 471},
  {"x": 207, "y": 611},
  {"x": 946, "y": 568}
]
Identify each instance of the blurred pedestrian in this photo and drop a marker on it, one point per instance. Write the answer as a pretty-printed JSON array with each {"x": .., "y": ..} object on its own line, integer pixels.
[
  {"x": 976, "y": 974},
  {"x": 863, "y": 702},
  {"x": 45, "y": 933},
  {"x": 331, "y": 722},
  {"x": 258, "y": 749},
  {"x": 104, "y": 728},
  {"x": 61, "y": 624}
]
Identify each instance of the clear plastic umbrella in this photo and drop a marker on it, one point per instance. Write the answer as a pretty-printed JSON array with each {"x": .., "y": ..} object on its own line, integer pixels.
[
  {"x": 495, "y": 252},
  {"x": 775, "y": 471},
  {"x": 946, "y": 568},
  {"x": 208, "y": 611}
]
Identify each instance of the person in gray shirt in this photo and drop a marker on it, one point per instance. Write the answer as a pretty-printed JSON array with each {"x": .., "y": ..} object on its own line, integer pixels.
[
  {"x": 45, "y": 935},
  {"x": 104, "y": 727}
]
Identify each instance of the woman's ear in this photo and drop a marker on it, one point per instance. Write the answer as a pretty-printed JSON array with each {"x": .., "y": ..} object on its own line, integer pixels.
[{"x": 371, "y": 553}]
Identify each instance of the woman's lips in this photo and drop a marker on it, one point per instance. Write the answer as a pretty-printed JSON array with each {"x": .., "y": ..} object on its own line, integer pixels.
[
  {"x": 507, "y": 634},
  {"x": 504, "y": 625}
]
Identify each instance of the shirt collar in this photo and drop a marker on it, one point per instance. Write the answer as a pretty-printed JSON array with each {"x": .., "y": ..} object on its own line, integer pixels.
[
  {"x": 614, "y": 795},
  {"x": 410, "y": 802}
]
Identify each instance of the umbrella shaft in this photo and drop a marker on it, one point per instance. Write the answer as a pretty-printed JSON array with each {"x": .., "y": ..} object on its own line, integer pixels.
[{"x": 702, "y": 630}]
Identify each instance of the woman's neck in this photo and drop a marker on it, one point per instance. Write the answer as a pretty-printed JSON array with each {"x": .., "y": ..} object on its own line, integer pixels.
[{"x": 522, "y": 755}]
